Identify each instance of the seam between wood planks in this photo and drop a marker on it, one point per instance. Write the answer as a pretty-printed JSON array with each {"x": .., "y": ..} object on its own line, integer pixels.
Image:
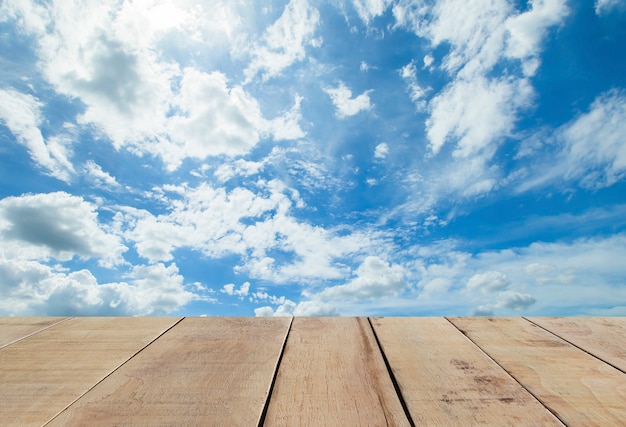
[
  {"x": 576, "y": 345},
  {"x": 266, "y": 405},
  {"x": 36, "y": 332},
  {"x": 507, "y": 372},
  {"x": 396, "y": 386},
  {"x": 114, "y": 370}
]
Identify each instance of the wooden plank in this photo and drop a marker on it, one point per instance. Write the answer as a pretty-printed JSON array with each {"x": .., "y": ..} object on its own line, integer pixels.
[
  {"x": 13, "y": 329},
  {"x": 577, "y": 387},
  {"x": 44, "y": 373},
  {"x": 204, "y": 371},
  {"x": 446, "y": 380},
  {"x": 604, "y": 337},
  {"x": 333, "y": 374}
]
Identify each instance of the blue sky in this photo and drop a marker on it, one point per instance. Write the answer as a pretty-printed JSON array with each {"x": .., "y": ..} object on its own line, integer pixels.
[{"x": 356, "y": 157}]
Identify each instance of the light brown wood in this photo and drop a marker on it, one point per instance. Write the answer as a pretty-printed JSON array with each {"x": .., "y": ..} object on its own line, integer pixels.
[
  {"x": 42, "y": 374},
  {"x": 577, "y": 387},
  {"x": 333, "y": 374},
  {"x": 13, "y": 329},
  {"x": 604, "y": 337},
  {"x": 204, "y": 371},
  {"x": 446, "y": 380}
]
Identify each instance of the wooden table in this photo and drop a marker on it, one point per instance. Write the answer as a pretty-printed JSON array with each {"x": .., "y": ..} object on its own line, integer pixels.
[{"x": 333, "y": 371}]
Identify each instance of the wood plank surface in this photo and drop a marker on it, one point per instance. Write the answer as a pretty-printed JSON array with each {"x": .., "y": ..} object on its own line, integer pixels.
[
  {"x": 580, "y": 389},
  {"x": 44, "y": 373},
  {"x": 604, "y": 337},
  {"x": 204, "y": 371},
  {"x": 332, "y": 374},
  {"x": 446, "y": 380},
  {"x": 13, "y": 329}
]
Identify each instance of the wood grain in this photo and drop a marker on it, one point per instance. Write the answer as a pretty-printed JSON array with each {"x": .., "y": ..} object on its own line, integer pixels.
[
  {"x": 446, "y": 380},
  {"x": 204, "y": 371},
  {"x": 44, "y": 373},
  {"x": 604, "y": 337},
  {"x": 577, "y": 387},
  {"x": 13, "y": 329},
  {"x": 333, "y": 374}
]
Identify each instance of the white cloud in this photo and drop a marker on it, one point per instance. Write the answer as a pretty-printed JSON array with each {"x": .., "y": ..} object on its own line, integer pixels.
[
  {"x": 476, "y": 113},
  {"x": 489, "y": 281},
  {"x": 369, "y": 9},
  {"x": 527, "y": 30},
  {"x": 416, "y": 92},
  {"x": 606, "y": 6},
  {"x": 55, "y": 225},
  {"x": 375, "y": 278},
  {"x": 100, "y": 177},
  {"x": 285, "y": 41},
  {"x": 239, "y": 167},
  {"x": 31, "y": 288},
  {"x": 21, "y": 114},
  {"x": 345, "y": 105},
  {"x": 595, "y": 142},
  {"x": 214, "y": 119},
  {"x": 381, "y": 150},
  {"x": 515, "y": 300},
  {"x": 590, "y": 149},
  {"x": 231, "y": 289}
]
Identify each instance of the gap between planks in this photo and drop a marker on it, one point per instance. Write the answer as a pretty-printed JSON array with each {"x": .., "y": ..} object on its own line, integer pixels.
[
  {"x": 575, "y": 345},
  {"x": 35, "y": 332},
  {"x": 276, "y": 368},
  {"x": 113, "y": 371},
  {"x": 507, "y": 371},
  {"x": 394, "y": 381}
]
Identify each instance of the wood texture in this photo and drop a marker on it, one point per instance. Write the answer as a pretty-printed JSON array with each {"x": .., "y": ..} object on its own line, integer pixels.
[
  {"x": 333, "y": 374},
  {"x": 204, "y": 371},
  {"x": 577, "y": 387},
  {"x": 13, "y": 329},
  {"x": 446, "y": 380},
  {"x": 604, "y": 337},
  {"x": 42, "y": 374}
]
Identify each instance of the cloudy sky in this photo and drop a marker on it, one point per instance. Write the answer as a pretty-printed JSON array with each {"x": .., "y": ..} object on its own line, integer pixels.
[{"x": 313, "y": 157}]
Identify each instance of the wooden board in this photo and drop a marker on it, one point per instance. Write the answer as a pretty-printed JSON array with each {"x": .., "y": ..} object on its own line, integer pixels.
[
  {"x": 577, "y": 387},
  {"x": 13, "y": 329},
  {"x": 42, "y": 374},
  {"x": 446, "y": 380},
  {"x": 332, "y": 374},
  {"x": 204, "y": 371},
  {"x": 604, "y": 337}
]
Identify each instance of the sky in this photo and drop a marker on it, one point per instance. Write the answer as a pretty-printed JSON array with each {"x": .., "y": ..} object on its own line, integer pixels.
[{"x": 313, "y": 157}]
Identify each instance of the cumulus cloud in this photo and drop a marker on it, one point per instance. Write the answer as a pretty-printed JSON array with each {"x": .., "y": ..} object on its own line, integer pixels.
[
  {"x": 491, "y": 281},
  {"x": 345, "y": 105},
  {"x": 375, "y": 278},
  {"x": 285, "y": 41},
  {"x": 381, "y": 150},
  {"x": 251, "y": 225},
  {"x": 231, "y": 289},
  {"x": 21, "y": 114},
  {"x": 32, "y": 288},
  {"x": 56, "y": 225},
  {"x": 515, "y": 300}
]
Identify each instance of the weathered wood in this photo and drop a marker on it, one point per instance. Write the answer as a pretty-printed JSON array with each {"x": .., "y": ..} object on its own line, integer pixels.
[
  {"x": 604, "y": 337},
  {"x": 44, "y": 373},
  {"x": 577, "y": 387},
  {"x": 13, "y": 329},
  {"x": 204, "y": 371},
  {"x": 446, "y": 380},
  {"x": 333, "y": 374}
]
